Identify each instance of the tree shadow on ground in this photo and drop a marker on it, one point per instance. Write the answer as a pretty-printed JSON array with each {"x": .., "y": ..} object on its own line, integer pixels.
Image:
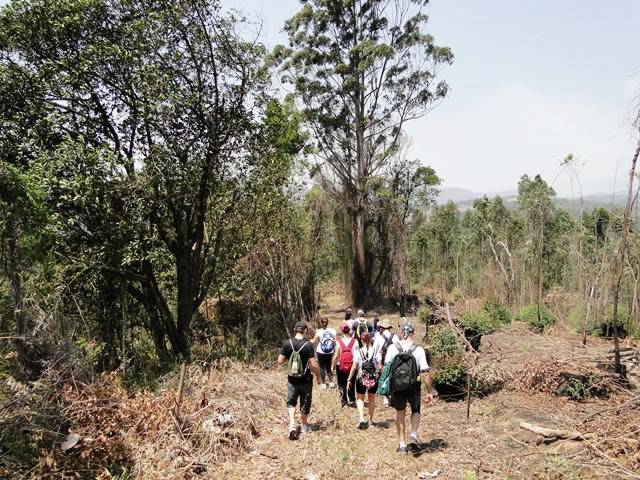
[
  {"x": 384, "y": 424},
  {"x": 432, "y": 445}
]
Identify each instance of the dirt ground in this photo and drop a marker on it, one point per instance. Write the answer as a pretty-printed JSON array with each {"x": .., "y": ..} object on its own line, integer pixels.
[{"x": 489, "y": 445}]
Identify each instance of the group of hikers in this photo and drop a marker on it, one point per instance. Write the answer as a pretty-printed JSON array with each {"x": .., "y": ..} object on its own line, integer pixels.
[{"x": 368, "y": 360}]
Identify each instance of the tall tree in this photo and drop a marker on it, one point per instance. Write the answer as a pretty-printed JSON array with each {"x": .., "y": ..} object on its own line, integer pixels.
[
  {"x": 169, "y": 95},
  {"x": 535, "y": 200},
  {"x": 362, "y": 69}
]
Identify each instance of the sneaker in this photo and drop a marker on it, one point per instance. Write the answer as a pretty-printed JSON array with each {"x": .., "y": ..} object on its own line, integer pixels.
[
  {"x": 293, "y": 433},
  {"x": 304, "y": 428},
  {"x": 413, "y": 443},
  {"x": 323, "y": 386},
  {"x": 402, "y": 449},
  {"x": 385, "y": 402},
  {"x": 363, "y": 425},
  {"x": 332, "y": 385}
]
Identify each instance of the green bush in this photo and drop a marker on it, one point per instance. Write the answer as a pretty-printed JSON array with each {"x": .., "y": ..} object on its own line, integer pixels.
[
  {"x": 576, "y": 320},
  {"x": 424, "y": 314},
  {"x": 444, "y": 342},
  {"x": 479, "y": 321},
  {"x": 448, "y": 373},
  {"x": 623, "y": 314},
  {"x": 529, "y": 314},
  {"x": 497, "y": 312}
]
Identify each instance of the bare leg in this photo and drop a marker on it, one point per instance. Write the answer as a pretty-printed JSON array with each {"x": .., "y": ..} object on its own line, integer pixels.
[
  {"x": 415, "y": 422},
  {"x": 292, "y": 416},
  {"x": 372, "y": 406},
  {"x": 360, "y": 405},
  {"x": 400, "y": 426}
]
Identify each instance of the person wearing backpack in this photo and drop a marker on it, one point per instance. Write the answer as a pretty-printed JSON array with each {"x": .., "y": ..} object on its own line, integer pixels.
[
  {"x": 366, "y": 372},
  {"x": 342, "y": 363},
  {"x": 382, "y": 342},
  {"x": 408, "y": 369},
  {"x": 325, "y": 342},
  {"x": 360, "y": 325},
  {"x": 298, "y": 354}
]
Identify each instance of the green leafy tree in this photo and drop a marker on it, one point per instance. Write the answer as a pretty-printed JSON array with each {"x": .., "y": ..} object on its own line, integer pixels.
[
  {"x": 362, "y": 69},
  {"x": 169, "y": 98},
  {"x": 535, "y": 200}
]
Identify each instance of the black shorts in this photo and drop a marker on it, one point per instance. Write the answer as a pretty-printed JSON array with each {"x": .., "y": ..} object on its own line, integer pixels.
[
  {"x": 399, "y": 400},
  {"x": 361, "y": 389},
  {"x": 302, "y": 391}
]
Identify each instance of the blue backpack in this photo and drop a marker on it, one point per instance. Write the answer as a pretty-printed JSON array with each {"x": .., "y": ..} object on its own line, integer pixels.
[{"x": 327, "y": 342}]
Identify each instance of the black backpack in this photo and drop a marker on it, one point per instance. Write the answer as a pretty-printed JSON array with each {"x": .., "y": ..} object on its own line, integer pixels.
[
  {"x": 385, "y": 346},
  {"x": 369, "y": 373},
  {"x": 404, "y": 370}
]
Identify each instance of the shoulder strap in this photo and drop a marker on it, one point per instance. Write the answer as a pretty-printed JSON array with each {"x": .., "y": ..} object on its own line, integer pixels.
[
  {"x": 388, "y": 341},
  {"x": 351, "y": 342},
  {"x": 412, "y": 348},
  {"x": 291, "y": 342},
  {"x": 399, "y": 347},
  {"x": 303, "y": 345}
]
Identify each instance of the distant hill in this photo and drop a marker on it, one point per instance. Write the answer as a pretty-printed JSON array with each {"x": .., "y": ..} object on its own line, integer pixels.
[{"x": 464, "y": 199}]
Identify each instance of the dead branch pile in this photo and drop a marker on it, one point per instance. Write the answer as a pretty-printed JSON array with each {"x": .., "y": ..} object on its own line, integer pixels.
[
  {"x": 100, "y": 425},
  {"x": 543, "y": 376},
  {"x": 488, "y": 378}
]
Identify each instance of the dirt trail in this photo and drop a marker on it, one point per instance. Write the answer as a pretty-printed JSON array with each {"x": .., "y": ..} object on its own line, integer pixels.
[{"x": 489, "y": 445}]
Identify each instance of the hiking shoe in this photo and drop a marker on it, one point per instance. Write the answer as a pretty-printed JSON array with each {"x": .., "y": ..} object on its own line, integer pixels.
[
  {"x": 293, "y": 433},
  {"x": 401, "y": 449},
  {"x": 304, "y": 428},
  {"x": 363, "y": 425},
  {"x": 412, "y": 446}
]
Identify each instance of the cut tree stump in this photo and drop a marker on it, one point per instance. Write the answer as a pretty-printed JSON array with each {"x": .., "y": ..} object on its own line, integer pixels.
[{"x": 554, "y": 433}]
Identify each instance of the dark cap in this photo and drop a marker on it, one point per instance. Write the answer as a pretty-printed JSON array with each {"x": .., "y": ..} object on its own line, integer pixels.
[{"x": 300, "y": 327}]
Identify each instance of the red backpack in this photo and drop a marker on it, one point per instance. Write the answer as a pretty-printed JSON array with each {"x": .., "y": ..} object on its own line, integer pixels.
[{"x": 346, "y": 356}]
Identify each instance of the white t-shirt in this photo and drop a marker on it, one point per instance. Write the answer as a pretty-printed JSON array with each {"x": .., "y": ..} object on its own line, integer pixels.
[
  {"x": 320, "y": 334},
  {"x": 382, "y": 338},
  {"x": 365, "y": 353},
  {"x": 419, "y": 354}
]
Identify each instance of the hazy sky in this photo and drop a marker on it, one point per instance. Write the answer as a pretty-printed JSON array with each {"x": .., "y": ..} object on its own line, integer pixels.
[{"x": 532, "y": 81}]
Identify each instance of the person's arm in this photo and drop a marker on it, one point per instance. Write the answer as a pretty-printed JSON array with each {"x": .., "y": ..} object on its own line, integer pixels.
[
  {"x": 425, "y": 375},
  {"x": 315, "y": 369},
  {"x": 352, "y": 374},
  {"x": 336, "y": 356},
  {"x": 428, "y": 382},
  {"x": 282, "y": 358}
]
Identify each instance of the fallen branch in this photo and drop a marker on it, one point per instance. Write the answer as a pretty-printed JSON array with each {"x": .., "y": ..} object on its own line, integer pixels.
[
  {"x": 633, "y": 401},
  {"x": 555, "y": 433}
]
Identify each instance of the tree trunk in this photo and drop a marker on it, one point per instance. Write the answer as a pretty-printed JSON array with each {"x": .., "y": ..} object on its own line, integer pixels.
[
  {"x": 621, "y": 255},
  {"x": 359, "y": 278},
  {"x": 15, "y": 274}
]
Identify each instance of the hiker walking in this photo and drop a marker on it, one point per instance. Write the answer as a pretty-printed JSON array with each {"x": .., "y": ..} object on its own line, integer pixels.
[
  {"x": 382, "y": 342},
  {"x": 342, "y": 363},
  {"x": 409, "y": 369},
  {"x": 359, "y": 325},
  {"x": 366, "y": 372},
  {"x": 298, "y": 353},
  {"x": 347, "y": 315},
  {"x": 325, "y": 343}
]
